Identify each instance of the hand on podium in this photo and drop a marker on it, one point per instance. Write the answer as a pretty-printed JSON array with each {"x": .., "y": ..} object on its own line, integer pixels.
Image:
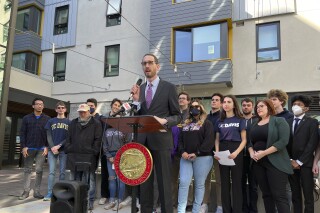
[{"x": 162, "y": 121}]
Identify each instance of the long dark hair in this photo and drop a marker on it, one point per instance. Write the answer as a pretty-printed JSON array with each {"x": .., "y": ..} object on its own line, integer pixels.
[{"x": 236, "y": 108}]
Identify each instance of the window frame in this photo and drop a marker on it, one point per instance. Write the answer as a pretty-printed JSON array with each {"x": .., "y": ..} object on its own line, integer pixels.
[
  {"x": 277, "y": 23},
  {"x": 28, "y": 62},
  {"x": 181, "y": 1},
  {"x": 32, "y": 21},
  {"x": 113, "y": 19},
  {"x": 224, "y": 38},
  {"x": 106, "y": 66},
  {"x": 55, "y": 72},
  {"x": 57, "y": 27}
]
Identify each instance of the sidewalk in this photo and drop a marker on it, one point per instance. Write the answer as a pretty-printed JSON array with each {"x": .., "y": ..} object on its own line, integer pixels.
[{"x": 11, "y": 187}]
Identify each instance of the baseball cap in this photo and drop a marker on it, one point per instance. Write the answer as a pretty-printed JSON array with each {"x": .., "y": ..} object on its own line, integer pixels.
[{"x": 83, "y": 108}]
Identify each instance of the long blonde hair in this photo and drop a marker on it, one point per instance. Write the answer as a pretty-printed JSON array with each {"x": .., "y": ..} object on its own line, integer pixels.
[{"x": 203, "y": 114}]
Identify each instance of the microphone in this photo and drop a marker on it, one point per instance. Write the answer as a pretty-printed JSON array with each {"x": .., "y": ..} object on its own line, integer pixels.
[
  {"x": 126, "y": 107},
  {"x": 139, "y": 82}
]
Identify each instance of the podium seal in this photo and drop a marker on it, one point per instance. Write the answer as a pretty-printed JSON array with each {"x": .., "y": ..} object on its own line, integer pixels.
[{"x": 133, "y": 163}]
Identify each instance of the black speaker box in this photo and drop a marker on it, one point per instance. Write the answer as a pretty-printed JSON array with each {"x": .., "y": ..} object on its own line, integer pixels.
[{"x": 69, "y": 197}]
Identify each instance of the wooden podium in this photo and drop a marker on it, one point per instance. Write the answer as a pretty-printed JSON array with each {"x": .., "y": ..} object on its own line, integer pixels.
[{"x": 135, "y": 125}]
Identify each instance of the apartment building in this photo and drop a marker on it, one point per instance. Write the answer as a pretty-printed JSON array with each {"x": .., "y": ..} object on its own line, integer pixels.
[
  {"x": 240, "y": 47},
  {"x": 73, "y": 50},
  {"x": 97, "y": 50}
]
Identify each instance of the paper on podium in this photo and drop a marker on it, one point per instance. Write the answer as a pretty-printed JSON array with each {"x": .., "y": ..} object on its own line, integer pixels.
[{"x": 224, "y": 160}]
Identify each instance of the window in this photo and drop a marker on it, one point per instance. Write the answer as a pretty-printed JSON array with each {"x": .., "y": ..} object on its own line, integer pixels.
[
  {"x": 113, "y": 13},
  {"x": 61, "y": 20},
  {"x": 111, "y": 64},
  {"x": 7, "y": 5},
  {"x": 179, "y": 1},
  {"x": 268, "y": 42},
  {"x": 26, "y": 61},
  {"x": 2, "y": 61},
  {"x": 29, "y": 20},
  {"x": 5, "y": 32},
  {"x": 201, "y": 43},
  {"x": 59, "y": 72}
]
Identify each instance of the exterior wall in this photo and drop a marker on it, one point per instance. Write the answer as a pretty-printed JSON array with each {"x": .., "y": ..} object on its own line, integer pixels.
[
  {"x": 248, "y": 9},
  {"x": 35, "y": 84},
  {"x": 299, "y": 67},
  {"x": 23, "y": 42},
  {"x": 165, "y": 16},
  {"x": 85, "y": 64},
  {"x": 38, "y": 3},
  {"x": 62, "y": 40}
]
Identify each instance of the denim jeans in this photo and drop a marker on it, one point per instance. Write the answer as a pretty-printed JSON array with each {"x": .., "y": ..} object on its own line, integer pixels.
[
  {"x": 83, "y": 176},
  {"x": 115, "y": 184},
  {"x": 28, "y": 162},
  {"x": 199, "y": 169},
  {"x": 52, "y": 160}
]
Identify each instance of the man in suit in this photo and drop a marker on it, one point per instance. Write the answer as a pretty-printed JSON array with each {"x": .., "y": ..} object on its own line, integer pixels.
[
  {"x": 159, "y": 98},
  {"x": 302, "y": 144}
]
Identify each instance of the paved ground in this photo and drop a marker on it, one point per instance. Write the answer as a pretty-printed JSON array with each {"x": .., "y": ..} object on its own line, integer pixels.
[{"x": 11, "y": 187}]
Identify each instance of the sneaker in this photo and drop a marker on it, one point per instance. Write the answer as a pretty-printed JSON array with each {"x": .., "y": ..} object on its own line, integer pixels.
[
  {"x": 189, "y": 208},
  {"x": 110, "y": 205},
  {"x": 47, "y": 197},
  {"x": 102, "y": 201},
  {"x": 204, "y": 208},
  {"x": 117, "y": 207},
  {"x": 38, "y": 195},
  {"x": 219, "y": 209},
  {"x": 24, "y": 195},
  {"x": 127, "y": 201}
]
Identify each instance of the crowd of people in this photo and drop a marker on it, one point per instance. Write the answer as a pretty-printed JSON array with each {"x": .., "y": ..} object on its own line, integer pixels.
[{"x": 273, "y": 149}]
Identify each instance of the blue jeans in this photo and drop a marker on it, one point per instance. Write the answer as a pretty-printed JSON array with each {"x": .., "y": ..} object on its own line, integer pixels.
[
  {"x": 115, "y": 182},
  {"x": 199, "y": 168},
  {"x": 28, "y": 163},
  {"x": 83, "y": 176},
  {"x": 52, "y": 160}
]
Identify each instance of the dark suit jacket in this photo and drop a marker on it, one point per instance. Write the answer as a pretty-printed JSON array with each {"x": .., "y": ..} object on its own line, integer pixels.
[
  {"x": 278, "y": 136},
  {"x": 164, "y": 105},
  {"x": 304, "y": 141}
]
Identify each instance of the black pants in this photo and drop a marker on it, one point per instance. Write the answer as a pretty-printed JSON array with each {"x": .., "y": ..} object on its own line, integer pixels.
[
  {"x": 236, "y": 176},
  {"x": 104, "y": 178},
  {"x": 272, "y": 183},
  {"x": 250, "y": 190},
  {"x": 162, "y": 163},
  {"x": 302, "y": 178}
]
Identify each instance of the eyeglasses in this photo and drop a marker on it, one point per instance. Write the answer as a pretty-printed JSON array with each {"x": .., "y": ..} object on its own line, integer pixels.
[
  {"x": 39, "y": 104},
  {"x": 144, "y": 63},
  {"x": 60, "y": 107}
]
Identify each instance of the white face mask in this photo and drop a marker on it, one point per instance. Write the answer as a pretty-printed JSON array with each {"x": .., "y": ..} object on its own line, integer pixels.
[{"x": 297, "y": 110}]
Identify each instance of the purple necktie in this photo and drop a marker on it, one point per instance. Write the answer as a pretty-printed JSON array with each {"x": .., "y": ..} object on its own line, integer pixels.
[{"x": 149, "y": 95}]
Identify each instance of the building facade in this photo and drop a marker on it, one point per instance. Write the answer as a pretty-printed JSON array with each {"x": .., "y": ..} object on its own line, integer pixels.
[
  {"x": 74, "y": 50},
  {"x": 98, "y": 53}
]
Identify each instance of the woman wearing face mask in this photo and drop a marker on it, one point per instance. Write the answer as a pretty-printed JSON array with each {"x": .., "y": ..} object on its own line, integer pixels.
[
  {"x": 195, "y": 146},
  {"x": 113, "y": 140},
  {"x": 231, "y": 135},
  {"x": 271, "y": 164}
]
